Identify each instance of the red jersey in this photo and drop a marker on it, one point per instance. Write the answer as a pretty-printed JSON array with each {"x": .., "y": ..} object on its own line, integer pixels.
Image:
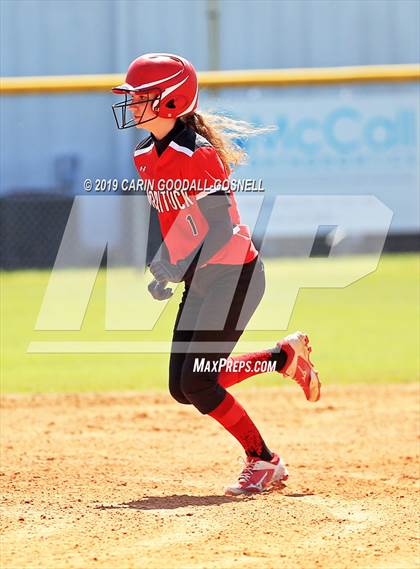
[{"x": 187, "y": 171}]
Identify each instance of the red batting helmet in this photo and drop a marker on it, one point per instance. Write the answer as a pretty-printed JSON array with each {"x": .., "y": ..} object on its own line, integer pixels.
[{"x": 169, "y": 81}]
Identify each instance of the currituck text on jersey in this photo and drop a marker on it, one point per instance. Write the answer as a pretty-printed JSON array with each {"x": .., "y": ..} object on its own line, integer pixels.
[
  {"x": 173, "y": 193},
  {"x": 164, "y": 200}
]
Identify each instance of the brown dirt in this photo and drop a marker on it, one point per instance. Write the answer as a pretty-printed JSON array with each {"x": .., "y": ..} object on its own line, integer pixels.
[{"x": 136, "y": 480}]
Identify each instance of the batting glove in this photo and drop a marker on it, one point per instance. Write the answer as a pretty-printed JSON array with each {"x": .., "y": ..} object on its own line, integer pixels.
[
  {"x": 159, "y": 291},
  {"x": 163, "y": 271}
]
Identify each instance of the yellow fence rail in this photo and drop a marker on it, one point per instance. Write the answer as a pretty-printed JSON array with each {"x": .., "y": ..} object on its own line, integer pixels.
[{"x": 221, "y": 79}]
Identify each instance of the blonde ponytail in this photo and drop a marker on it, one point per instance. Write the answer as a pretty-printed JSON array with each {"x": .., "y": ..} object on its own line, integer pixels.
[{"x": 221, "y": 132}]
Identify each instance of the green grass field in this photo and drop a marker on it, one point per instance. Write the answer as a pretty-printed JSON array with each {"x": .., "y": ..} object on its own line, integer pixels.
[{"x": 367, "y": 332}]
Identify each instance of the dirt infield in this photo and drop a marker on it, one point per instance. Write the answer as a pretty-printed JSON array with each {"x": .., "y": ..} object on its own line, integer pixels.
[{"x": 136, "y": 480}]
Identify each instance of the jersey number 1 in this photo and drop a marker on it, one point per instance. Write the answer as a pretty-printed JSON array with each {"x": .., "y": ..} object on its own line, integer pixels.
[{"x": 192, "y": 224}]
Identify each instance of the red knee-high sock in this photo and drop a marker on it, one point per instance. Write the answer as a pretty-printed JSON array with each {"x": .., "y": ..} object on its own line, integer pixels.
[
  {"x": 235, "y": 419},
  {"x": 242, "y": 367}
]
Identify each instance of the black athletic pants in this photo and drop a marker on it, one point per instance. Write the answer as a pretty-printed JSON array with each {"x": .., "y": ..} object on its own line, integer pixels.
[{"x": 201, "y": 323}]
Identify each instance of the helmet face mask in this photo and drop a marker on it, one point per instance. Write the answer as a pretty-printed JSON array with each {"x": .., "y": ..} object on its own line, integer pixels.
[
  {"x": 120, "y": 109},
  {"x": 170, "y": 83}
]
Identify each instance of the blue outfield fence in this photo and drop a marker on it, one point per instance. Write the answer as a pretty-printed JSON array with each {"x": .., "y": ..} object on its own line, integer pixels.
[{"x": 335, "y": 140}]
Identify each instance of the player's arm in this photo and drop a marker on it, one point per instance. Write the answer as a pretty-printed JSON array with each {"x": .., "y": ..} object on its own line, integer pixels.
[
  {"x": 155, "y": 244},
  {"x": 215, "y": 210},
  {"x": 205, "y": 166}
]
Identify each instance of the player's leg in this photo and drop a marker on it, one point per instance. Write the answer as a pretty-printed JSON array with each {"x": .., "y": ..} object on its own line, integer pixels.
[
  {"x": 210, "y": 343},
  {"x": 290, "y": 356},
  {"x": 180, "y": 342},
  {"x": 202, "y": 388},
  {"x": 250, "y": 290}
]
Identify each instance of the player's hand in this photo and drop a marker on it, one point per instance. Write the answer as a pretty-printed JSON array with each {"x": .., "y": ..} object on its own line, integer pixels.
[
  {"x": 163, "y": 271},
  {"x": 159, "y": 291}
]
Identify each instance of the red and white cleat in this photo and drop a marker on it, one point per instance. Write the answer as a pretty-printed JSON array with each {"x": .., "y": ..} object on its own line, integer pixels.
[
  {"x": 258, "y": 475},
  {"x": 299, "y": 366}
]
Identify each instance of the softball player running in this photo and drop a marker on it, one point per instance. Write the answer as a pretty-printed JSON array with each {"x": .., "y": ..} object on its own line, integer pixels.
[{"x": 186, "y": 161}]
